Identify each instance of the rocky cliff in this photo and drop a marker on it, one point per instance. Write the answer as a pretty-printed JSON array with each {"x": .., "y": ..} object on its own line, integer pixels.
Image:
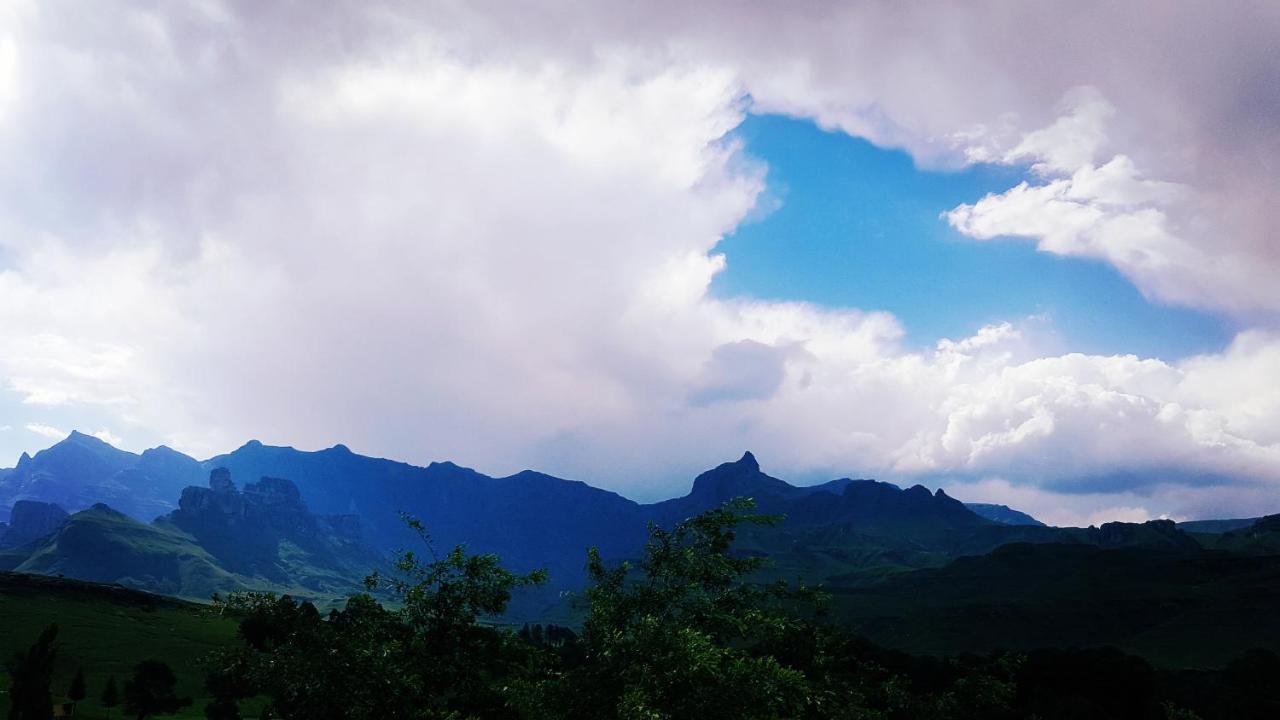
[{"x": 30, "y": 520}]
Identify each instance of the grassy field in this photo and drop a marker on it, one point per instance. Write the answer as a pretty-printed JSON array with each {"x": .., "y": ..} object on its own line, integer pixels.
[{"x": 106, "y": 630}]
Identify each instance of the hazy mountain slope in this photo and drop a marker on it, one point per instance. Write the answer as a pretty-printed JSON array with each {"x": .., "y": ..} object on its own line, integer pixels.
[
  {"x": 531, "y": 519},
  {"x": 82, "y": 470},
  {"x": 1003, "y": 514},
  {"x": 1216, "y": 526},
  {"x": 219, "y": 539}
]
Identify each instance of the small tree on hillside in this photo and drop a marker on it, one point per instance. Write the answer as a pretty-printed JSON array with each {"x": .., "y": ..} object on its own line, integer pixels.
[
  {"x": 150, "y": 691},
  {"x": 110, "y": 695},
  {"x": 77, "y": 691},
  {"x": 30, "y": 674}
]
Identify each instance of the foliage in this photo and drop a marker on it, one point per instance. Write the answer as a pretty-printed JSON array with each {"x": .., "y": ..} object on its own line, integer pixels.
[
  {"x": 77, "y": 691},
  {"x": 110, "y": 697},
  {"x": 429, "y": 658},
  {"x": 150, "y": 691},
  {"x": 31, "y": 674},
  {"x": 679, "y": 634}
]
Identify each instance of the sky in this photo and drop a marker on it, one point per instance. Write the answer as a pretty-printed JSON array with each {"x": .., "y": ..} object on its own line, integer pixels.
[{"x": 1026, "y": 252}]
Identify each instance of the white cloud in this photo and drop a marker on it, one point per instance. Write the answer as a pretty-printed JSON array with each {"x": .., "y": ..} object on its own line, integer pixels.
[
  {"x": 107, "y": 436},
  {"x": 46, "y": 431},
  {"x": 489, "y": 236},
  {"x": 1112, "y": 213}
]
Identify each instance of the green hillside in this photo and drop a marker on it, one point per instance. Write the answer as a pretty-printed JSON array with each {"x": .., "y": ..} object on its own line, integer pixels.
[
  {"x": 106, "y": 630},
  {"x": 102, "y": 545},
  {"x": 1176, "y": 609}
]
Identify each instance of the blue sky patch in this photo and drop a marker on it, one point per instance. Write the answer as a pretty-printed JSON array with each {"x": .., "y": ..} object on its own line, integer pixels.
[{"x": 860, "y": 226}]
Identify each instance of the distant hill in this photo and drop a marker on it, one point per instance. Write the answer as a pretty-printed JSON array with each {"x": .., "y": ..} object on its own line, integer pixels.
[
  {"x": 1003, "y": 514},
  {"x": 219, "y": 539},
  {"x": 1216, "y": 526},
  {"x": 1176, "y": 606}
]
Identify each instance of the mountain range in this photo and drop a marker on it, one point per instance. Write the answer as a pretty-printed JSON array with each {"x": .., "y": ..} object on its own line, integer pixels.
[
  {"x": 530, "y": 519},
  {"x": 911, "y": 568}
]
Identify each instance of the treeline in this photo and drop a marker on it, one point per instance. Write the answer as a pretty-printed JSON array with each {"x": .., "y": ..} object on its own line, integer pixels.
[{"x": 677, "y": 635}]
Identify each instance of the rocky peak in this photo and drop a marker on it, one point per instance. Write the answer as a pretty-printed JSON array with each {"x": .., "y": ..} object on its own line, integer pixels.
[
  {"x": 220, "y": 481},
  {"x": 735, "y": 479},
  {"x": 275, "y": 492},
  {"x": 1152, "y": 534},
  {"x": 218, "y": 505},
  {"x": 30, "y": 520},
  {"x": 277, "y": 503}
]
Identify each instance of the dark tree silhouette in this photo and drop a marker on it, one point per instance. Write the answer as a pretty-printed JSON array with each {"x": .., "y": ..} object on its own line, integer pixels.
[
  {"x": 110, "y": 697},
  {"x": 150, "y": 691},
  {"x": 30, "y": 674},
  {"x": 77, "y": 691}
]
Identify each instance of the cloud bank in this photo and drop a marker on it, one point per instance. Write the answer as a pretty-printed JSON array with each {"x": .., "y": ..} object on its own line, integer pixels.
[{"x": 487, "y": 234}]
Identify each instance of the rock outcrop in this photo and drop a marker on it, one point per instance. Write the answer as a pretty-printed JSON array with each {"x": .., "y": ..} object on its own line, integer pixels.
[
  {"x": 244, "y": 529},
  {"x": 30, "y": 520}
]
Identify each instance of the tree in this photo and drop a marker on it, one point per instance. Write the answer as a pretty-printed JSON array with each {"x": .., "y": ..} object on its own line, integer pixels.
[
  {"x": 110, "y": 697},
  {"x": 77, "y": 691},
  {"x": 428, "y": 658},
  {"x": 30, "y": 676},
  {"x": 679, "y": 634},
  {"x": 150, "y": 691}
]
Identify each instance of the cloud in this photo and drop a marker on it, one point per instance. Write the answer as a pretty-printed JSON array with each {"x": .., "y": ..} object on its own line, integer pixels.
[
  {"x": 109, "y": 437},
  {"x": 46, "y": 431},
  {"x": 743, "y": 370},
  {"x": 488, "y": 234},
  {"x": 1110, "y": 212}
]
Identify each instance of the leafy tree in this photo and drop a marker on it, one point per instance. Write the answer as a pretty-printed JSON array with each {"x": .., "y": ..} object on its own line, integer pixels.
[
  {"x": 30, "y": 675},
  {"x": 77, "y": 691},
  {"x": 150, "y": 691},
  {"x": 429, "y": 658},
  {"x": 680, "y": 634},
  {"x": 110, "y": 697}
]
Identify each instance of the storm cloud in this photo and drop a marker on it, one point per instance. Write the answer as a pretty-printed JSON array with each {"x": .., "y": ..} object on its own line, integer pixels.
[{"x": 487, "y": 233}]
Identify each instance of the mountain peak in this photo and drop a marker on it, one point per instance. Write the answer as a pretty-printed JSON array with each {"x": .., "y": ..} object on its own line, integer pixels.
[
  {"x": 83, "y": 439},
  {"x": 734, "y": 479}
]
